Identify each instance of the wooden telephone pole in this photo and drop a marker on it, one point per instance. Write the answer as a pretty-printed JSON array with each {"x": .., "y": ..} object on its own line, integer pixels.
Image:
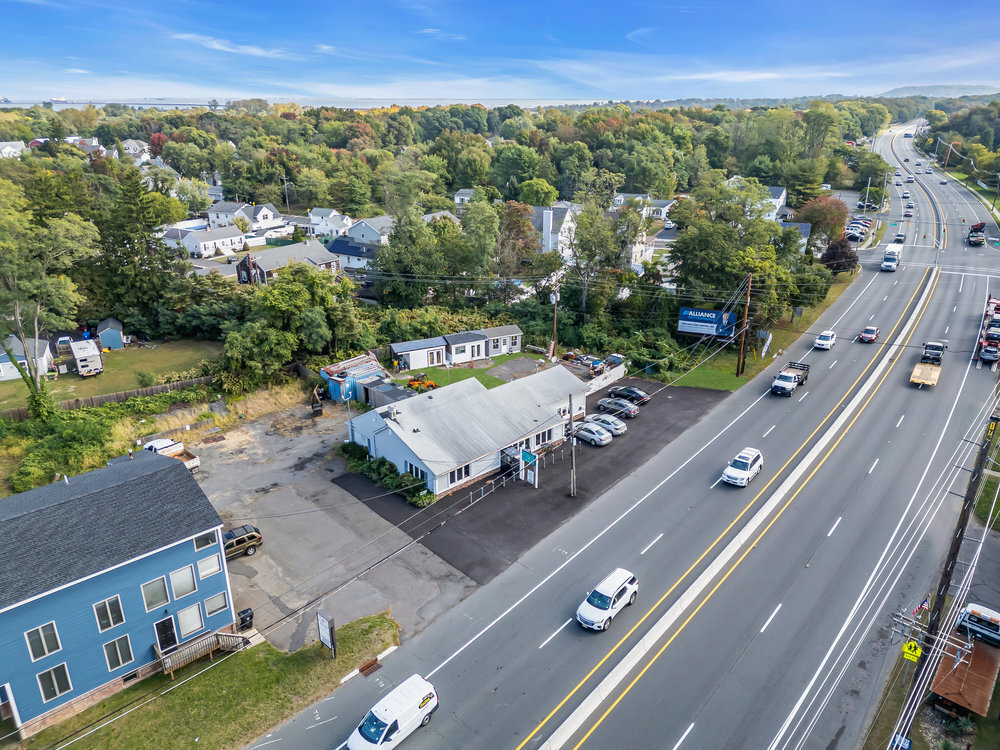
[{"x": 741, "y": 359}]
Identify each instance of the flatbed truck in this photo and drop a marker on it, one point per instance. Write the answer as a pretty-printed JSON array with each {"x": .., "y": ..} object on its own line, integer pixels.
[
  {"x": 928, "y": 370},
  {"x": 789, "y": 378}
]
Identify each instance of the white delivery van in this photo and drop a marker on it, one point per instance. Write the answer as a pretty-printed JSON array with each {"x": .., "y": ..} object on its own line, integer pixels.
[
  {"x": 396, "y": 716},
  {"x": 981, "y": 623}
]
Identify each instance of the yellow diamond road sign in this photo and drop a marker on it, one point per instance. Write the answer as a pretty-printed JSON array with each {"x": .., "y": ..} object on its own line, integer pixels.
[{"x": 911, "y": 650}]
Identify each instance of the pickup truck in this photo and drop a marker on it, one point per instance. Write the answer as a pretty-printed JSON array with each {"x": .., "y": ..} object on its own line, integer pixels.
[
  {"x": 174, "y": 449},
  {"x": 928, "y": 370},
  {"x": 789, "y": 378},
  {"x": 977, "y": 234}
]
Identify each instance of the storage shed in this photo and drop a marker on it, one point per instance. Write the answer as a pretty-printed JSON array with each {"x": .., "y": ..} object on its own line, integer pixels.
[{"x": 110, "y": 334}]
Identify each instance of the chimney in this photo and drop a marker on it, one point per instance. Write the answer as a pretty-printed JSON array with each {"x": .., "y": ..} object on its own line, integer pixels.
[
  {"x": 392, "y": 412},
  {"x": 546, "y": 230}
]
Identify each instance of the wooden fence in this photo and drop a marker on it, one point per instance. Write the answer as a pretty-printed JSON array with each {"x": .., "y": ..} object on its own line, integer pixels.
[{"x": 21, "y": 414}]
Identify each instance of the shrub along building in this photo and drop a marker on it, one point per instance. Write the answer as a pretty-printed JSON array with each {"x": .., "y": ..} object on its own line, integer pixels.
[
  {"x": 461, "y": 432},
  {"x": 103, "y": 577}
]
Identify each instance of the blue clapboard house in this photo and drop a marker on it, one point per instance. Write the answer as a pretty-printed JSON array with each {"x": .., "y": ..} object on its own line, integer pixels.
[{"x": 106, "y": 578}]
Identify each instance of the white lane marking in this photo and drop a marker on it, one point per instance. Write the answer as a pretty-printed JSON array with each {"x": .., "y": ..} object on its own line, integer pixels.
[
  {"x": 834, "y": 527},
  {"x": 831, "y": 366},
  {"x": 683, "y": 736},
  {"x": 593, "y": 540},
  {"x": 804, "y": 395},
  {"x": 961, "y": 283},
  {"x": 885, "y": 298},
  {"x": 897, "y": 281},
  {"x": 319, "y": 723},
  {"x": 715, "y": 483},
  {"x": 871, "y": 318},
  {"x": 954, "y": 308},
  {"x": 769, "y": 431},
  {"x": 946, "y": 329},
  {"x": 658, "y": 538},
  {"x": 873, "y": 466},
  {"x": 558, "y": 631},
  {"x": 279, "y": 739},
  {"x": 771, "y": 617},
  {"x": 687, "y": 599},
  {"x": 900, "y": 420}
]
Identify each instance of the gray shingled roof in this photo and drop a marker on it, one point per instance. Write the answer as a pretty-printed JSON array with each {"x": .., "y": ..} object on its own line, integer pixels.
[
  {"x": 310, "y": 251},
  {"x": 107, "y": 323},
  {"x": 497, "y": 331},
  {"x": 465, "y": 337},
  {"x": 775, "y": 191},
  {"x": 57, "y": 534},
  {"x": 381, "y": 224},
  {"x": 207, "y": 235},
  {"x": 558, "y": 217},
  {"x": 226, "y": 207},
  {"x": 346, "y": 245},
  {"x": 412, "y": 346}
]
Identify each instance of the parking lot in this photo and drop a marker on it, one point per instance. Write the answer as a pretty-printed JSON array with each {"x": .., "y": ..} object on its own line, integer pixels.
[{"x": 323, "y": 527}]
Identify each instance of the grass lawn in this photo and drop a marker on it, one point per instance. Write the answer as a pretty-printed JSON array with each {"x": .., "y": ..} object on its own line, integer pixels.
[
  {"x": 120, "y": 369},
  {"x": 718, "y": 372},
  {"x": 446, "y": 376},
  {"x": 230, "y": 704}
]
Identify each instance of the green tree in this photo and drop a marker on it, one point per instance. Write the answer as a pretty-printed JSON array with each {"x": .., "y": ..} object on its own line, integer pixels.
[
  {"x": 514, "y": 165},
  {"x": 36, "y": 293},
  {"x": 537, "y": 192},
  {"x": 827, "y": 217},
  {"x": 517, "y": 240},
  {"x": 405, "y": 269},
  {"x": 311, "y": 187},
  {"x": 592, "y": 249},
  {"x": 481, "y": 227},
  {"x": 135, "y": 273},
  {"x": 193, "y": 194}
]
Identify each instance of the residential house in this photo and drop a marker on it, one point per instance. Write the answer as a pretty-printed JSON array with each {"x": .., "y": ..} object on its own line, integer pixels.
[
  {"x": 461, "y": 432},
  {"x": 502, "y": 340},
  {"x": 556, "y": 226},
  {"x": 109, "y": 331},
  {"x": 38, "y": 349},
  {"x": 351, "y": 254},
  {"x": 208, "y": 242},
  {"x": 372, "y": 231},
  {"x": 262, "y": 217},
  {"x": 346, "y": 380},
  {"x": 37, "y": 142},
  {"x": 412, "y": 355},
  {"x": 91, "y": 147},
  {"x": 777, "y": 197},
  {"x": 649, "y": 207},
  {"x": 804, "y": 229},
  {"x": 260, "y": 268},
  {"x": 135, "y": 148},
  {"x": 463, "y": 196},
  {"x": 328, "y": 222},
  {"x": 103, "y": 577},
  {"x": 10, "y": 149},
  {"x": 441, "y": 215},
  {"x": 456, "y": 348}
]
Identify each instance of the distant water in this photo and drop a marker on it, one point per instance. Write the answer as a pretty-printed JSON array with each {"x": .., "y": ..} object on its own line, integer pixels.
[{"x": 341, "y": 103}]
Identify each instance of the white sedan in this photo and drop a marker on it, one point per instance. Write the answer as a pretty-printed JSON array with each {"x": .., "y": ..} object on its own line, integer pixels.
[
  {"x": 592, "y": 433},
  {"x": 612, "y": 424},
  {"x": 825, "y": 340}
]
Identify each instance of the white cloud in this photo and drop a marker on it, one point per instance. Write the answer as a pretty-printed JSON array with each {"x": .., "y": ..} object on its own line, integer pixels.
[
  {"x": 438, "y": 34},
  {"x": 78, "y": 71},
  {"x": 639, "y": 36},
  {"x": 326, "y": 49},
  {"x": 224, "y": 45}
]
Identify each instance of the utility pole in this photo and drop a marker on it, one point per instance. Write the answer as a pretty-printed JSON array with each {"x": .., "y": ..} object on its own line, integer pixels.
[
  {"x": 554, "y": 298},
  {"x": 944, "y": 584},
  {"x": 867, "y": 190},
  {"x": 285, "y": 181},
  {"x": 572, "y": 451},
  {"x": 741, "y": 357}
]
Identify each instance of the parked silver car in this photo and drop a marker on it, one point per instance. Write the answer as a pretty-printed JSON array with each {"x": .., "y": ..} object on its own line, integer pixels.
[{"x": 592, "y": 433}]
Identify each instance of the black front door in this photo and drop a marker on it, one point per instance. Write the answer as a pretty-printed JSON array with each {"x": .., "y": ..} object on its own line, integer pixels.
[{"x": 165, "y": 635}]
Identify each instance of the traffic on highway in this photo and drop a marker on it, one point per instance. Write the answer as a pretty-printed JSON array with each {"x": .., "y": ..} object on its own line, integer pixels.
[{"x": 768, "y": 588}]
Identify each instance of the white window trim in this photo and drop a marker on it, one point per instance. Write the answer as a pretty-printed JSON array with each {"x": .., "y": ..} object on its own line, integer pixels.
[
  {"x": 218, "y": 567},
  {"x": 55, "y": 629},
  {"x": 225, "y": 598},
  {"x": 215, "y": 540},
  {"x": 165, "y": 588},
  {"x": 38, "y": 679},
  {"x": 115, "y": 625},
  {"x": 194, "y": 580},
  {"x": 124, "y": 663},
  {"x": 201, "y": 616}
]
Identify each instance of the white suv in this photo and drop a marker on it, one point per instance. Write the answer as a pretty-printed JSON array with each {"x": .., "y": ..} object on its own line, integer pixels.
[
  {"x": 744, "y": 467},
  {"x": 610, "y": 597},
  {"x": 825, "y": 340}
]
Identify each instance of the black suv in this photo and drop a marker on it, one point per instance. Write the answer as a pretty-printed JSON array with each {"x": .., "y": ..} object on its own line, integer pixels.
[
  {"x": 630, "y": 393},
  {"x": 243, "y": 540}
]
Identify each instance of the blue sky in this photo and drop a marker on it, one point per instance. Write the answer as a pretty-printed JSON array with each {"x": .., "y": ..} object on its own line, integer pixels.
[{"x": 472, "y": 51}]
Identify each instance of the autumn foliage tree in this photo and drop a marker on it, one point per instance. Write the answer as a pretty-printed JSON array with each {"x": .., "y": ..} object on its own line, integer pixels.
[
  {"x": 840, "y": 256},
  {"x": 827, "y": 215}
]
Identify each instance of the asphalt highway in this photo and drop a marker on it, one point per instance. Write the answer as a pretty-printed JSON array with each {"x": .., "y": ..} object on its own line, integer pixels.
[{"x": 763, "y": 613}]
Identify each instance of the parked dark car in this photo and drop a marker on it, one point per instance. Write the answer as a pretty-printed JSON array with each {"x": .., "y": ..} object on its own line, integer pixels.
[
  {"x": 243, "y": 540},
  {"x": 629, "y": 393}
]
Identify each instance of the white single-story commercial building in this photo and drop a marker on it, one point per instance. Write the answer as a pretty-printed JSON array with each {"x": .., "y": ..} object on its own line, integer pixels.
[
  {"x": 456, "y": 348},
  {"x": 451, "y": 436}
]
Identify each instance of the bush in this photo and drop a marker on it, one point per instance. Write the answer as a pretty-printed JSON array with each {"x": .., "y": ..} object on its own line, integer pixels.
[
  {"x": 145, "y": 378},
  {"x": 961, "y": 726},
  {"x": 384, "y": 473}
]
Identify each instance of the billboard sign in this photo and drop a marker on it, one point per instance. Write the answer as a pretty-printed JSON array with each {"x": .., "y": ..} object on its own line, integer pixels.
[{"x": 706, "y": 322}]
